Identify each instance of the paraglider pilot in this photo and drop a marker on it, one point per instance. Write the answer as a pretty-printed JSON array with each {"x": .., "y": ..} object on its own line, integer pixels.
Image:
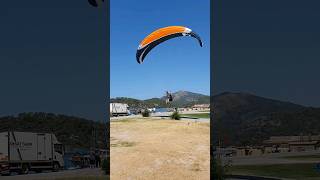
[{"x": 169, "y": 97}]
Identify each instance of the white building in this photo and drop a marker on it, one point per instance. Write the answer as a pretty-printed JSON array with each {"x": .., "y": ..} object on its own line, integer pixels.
[{"x": 201, "y": 107}]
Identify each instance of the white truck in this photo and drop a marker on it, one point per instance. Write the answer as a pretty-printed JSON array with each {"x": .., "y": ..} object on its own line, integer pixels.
[
  {"x": 22, "y": 152},
  {"x": 119, "y": 109}
]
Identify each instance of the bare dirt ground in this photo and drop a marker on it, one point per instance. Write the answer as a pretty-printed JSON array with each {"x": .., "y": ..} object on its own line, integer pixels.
[{"x": 160, "y": 149}]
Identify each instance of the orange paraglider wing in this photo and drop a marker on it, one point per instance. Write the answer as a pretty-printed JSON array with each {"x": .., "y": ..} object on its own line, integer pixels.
[{"x": 161, "y": 35}]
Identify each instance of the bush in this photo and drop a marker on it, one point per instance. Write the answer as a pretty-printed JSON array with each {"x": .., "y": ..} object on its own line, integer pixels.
[
  {"x": 145, "y": 113},
  {"x": 175, "y": 115},
  {"x": 105, "y": 166}
]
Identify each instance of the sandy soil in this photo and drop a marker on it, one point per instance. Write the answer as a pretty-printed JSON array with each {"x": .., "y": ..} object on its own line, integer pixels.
[{"x": 160, "y": 149}]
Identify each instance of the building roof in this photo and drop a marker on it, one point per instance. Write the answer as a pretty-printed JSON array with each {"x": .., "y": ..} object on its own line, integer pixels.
[
  {"x": 290, "y": 139},
  {"x": 304, "y": 143},
  {"x": 201, "y": 106}
]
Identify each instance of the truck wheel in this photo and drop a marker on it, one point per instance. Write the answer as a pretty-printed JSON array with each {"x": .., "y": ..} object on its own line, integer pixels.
[
  {"x": 25, "y": 169},
  {"x": 56, "y": 167}
]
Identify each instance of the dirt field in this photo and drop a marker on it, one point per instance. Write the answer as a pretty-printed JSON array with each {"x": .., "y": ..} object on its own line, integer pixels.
[{"x": 160, "y": 149}]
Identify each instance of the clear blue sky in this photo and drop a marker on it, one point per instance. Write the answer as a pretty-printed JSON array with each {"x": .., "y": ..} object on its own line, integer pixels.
[
  {"x": 268, "y": 48},
  {"x": 177, "y": 64},
  {"x": 53, "y": 58}
]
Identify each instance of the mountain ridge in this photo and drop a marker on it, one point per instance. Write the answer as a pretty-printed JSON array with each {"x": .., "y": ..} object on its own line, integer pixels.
[
  {"x": 242, "y": 119},
  {"x": 180, "y": 99}
]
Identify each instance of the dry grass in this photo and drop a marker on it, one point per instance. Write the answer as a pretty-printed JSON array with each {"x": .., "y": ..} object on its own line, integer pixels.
[{"x": 160, "y": 149}]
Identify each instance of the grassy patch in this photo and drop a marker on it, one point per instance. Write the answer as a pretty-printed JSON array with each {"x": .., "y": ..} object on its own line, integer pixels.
[
  {"x": 200, "y": 115},
  {"x": 295, "y": 171}
]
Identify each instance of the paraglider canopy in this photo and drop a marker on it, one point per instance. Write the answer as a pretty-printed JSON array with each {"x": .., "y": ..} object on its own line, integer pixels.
[{"x": 161, "y": 35}]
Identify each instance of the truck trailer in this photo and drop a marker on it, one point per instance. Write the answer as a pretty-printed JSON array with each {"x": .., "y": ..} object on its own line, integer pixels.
[
  {"x": 22, "y": 152},
  {"x": 119, "y": 109}
]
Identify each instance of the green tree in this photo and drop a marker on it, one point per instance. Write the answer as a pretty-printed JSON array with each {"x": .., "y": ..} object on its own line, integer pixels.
[{"x": 175, "y": 115}]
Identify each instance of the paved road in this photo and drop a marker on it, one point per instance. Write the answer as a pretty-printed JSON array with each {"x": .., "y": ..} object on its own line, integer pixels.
[
  {"x": 125, "y": 117},
  {"x": 96, "y": 172},
  {"x": 274, "y": 158},
  {"x": 241, "y": 177}
]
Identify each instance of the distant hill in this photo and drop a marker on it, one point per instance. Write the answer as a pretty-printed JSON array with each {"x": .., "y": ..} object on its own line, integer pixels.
[
  {"x": 246, "y": 119},
  {"x": 140, "y": 104},
  {"x": 181, "y": 99},
  {"x": 248, "y": 106},
  {"x": 72, "y": 131},
  {"x": 187, "y": 99}
]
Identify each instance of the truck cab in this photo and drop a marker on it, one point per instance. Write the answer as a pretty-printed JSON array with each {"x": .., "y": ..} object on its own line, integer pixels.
[{"x": 58, "y": 153}]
